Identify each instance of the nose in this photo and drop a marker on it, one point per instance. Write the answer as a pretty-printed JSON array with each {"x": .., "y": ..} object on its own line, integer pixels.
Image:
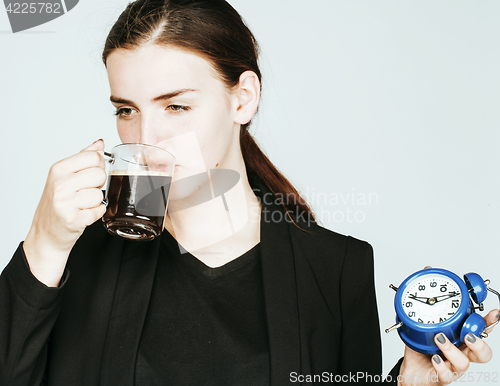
[
  {"x": 150, "y": 131},
  {"x": 152, "y": 128}
]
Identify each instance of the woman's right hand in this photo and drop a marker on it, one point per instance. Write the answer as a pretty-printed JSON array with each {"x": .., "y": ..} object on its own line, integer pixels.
[{"x": 70, "y": 202}]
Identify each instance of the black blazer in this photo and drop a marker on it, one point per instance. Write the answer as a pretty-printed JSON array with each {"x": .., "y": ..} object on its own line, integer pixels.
[{"x": 319, "y": 298}]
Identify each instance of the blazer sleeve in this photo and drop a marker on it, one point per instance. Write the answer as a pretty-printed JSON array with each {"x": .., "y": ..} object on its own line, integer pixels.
[
  {"x": 28, "y": 311},
  {"x": 361, "y": 348}
]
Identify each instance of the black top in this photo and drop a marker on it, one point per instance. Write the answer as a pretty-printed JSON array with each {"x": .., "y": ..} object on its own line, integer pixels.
[
  {"x": 319, "y": 299},
  {"x": 204, "y": 326}
]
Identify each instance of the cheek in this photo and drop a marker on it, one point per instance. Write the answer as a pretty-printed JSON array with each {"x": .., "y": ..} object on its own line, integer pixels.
[
  {"x": 216, "y": 139},
  {"x": 126, "y": 134}
]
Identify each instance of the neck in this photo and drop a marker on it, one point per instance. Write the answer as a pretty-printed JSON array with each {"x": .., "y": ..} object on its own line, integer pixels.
[{"x": 220, "y": 220}]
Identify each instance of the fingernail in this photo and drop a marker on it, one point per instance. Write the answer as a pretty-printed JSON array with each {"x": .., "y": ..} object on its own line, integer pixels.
[
  {"x": 441, "y": 338},
  {"x": 437, "y": 359},
  {"x": 471, "y": 338},
  {"x": 498, "y": 315},
  {"x": 100, "y": 139}
]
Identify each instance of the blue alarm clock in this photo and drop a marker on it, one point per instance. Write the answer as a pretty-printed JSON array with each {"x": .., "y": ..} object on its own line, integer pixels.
[{"x": 435, "y": 300}]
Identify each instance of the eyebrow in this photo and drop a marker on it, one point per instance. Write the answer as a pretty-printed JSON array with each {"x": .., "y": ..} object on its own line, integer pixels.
[{"x": 163, "y": 97}]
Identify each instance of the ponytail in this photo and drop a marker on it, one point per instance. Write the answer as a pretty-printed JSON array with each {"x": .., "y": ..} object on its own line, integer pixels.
[{"x": 256, "y": 161}]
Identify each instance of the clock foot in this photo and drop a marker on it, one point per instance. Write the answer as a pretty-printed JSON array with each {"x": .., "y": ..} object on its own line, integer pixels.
[{"x": 396, "y": 326}]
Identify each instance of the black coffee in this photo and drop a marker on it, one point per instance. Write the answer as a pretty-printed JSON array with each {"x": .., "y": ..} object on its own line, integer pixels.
[{"x": 136, "y": 204}]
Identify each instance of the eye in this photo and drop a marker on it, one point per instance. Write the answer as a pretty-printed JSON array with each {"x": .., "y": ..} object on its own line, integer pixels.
[
  {"x": 178, "y": 108},
  {"x": 124, "y": 112}
]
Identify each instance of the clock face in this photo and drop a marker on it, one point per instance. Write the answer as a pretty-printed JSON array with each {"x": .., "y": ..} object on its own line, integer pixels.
[{"x": 431, "y": 299}]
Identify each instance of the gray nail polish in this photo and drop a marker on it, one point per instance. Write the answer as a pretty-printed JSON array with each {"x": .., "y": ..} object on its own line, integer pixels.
[
  {"x": 498, "y": 315},
  {"x": 441, "y": 338},
  {"x": 471, "y": 338},
  {"x": 436, "y": 359}
]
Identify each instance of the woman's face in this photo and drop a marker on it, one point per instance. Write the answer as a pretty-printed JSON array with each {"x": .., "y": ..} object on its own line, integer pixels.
[{"x": 173, "y": 99}]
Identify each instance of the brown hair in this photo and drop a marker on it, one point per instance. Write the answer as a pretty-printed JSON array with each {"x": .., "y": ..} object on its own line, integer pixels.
[{"x": 214, "y": 30}]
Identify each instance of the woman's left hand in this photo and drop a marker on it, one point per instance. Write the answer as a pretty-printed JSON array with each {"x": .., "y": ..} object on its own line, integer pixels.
[{"x": 421, "y": 369}]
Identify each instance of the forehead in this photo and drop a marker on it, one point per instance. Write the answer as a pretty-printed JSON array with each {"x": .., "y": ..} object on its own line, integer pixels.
[{"x": 152, "y": 70}]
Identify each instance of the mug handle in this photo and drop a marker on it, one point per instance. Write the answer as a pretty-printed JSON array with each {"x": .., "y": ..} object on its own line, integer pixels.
[{"x": 108, "y": 157}]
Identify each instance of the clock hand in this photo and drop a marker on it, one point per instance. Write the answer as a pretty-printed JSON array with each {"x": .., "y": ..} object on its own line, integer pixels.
[
  {"x": 418, "y": 299},
  {"x": 447, "y": 297},
  {"x": 433, "y": 300},
  {"x": 454, "y": 293}
]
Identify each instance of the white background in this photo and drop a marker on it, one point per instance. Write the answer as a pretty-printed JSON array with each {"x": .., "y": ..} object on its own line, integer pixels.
[{"x": 385, "y": 113}]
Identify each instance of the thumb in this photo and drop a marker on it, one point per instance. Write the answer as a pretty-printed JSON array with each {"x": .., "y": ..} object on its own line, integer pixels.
[{"x": 96, "y": 146}]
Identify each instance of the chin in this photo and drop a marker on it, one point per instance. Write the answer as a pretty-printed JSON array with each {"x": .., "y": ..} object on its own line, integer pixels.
[{"x": 185, "y": 187}]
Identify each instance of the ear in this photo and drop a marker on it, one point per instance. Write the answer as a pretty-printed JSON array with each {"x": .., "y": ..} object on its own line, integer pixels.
[{"x": 247, "y": 93}]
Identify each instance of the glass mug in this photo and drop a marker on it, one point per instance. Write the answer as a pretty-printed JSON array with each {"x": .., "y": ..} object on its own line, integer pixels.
[{"x": 136, "y": 199}]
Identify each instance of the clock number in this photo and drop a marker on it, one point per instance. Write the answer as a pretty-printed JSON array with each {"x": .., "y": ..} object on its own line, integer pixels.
[
  {"x": 420, "y": 320},
  {"x": 442, "y": 320},
  {"x": 443, "y": 288},
  {"x": 409, "y": 304},
  {"x": 421, "y": 287},
  {"x": 430, "y": 322},
  {"x": 451, "y": 313},
  {"x": 411, "y": 313},
  {"x": 454, "y": 304},
  {"x": 433, "y": 284}
]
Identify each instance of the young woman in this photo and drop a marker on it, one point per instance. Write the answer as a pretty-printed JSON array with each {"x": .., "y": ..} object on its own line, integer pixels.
[{"x": 269, "y": 299}]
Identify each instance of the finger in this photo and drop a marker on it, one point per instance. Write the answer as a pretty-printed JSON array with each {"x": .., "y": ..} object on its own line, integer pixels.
[
  {"x": 479, "y": 350},
  {"x": 88, "y": 198},
  {"x": 491, "y": 318},
  {"x": 88, "y": 178},
  {"x": 90, "y": 216},
  {"x": 77, "y": 162},
  {"x": 443, "y": 371},
  {"x": 97, "y": 145},
  {"x": 458, "y": 360}
]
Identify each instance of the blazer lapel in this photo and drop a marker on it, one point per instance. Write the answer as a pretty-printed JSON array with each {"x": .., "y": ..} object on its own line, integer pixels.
[
  {"x": 130, "y": 306},
  {"x": 280, "y": 289}
]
